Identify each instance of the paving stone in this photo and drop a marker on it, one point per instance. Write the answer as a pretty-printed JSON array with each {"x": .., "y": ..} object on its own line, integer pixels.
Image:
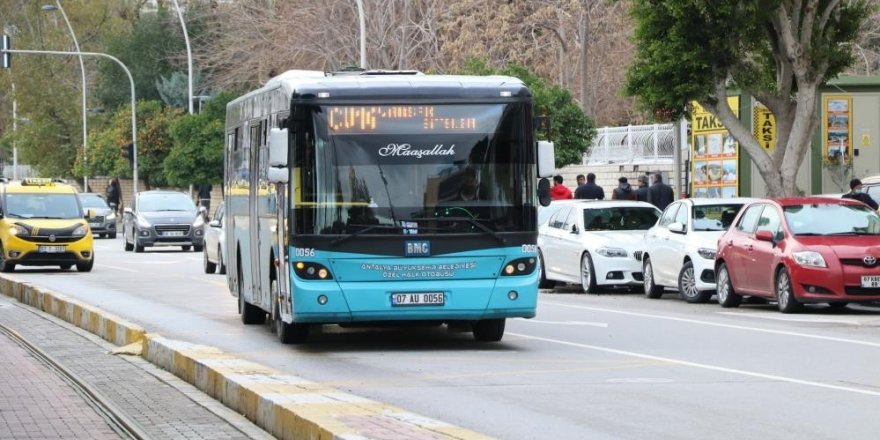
[{"x": 35, "y": 402}]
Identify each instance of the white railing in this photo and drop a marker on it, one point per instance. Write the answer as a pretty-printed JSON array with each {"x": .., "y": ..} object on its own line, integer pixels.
[{"x": 631, "y": 144}]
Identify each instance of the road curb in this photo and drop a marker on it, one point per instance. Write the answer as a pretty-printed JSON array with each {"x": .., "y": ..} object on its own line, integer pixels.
[{"x": 286, "y": 406}]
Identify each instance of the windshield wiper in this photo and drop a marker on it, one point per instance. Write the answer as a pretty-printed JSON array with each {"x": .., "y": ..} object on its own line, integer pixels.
[
  {"x": 362, "y": 231},
  {"x": 708, "y": 229},
  {"x": 809, "y": 234},
  {"x": 474, "y": 222}
]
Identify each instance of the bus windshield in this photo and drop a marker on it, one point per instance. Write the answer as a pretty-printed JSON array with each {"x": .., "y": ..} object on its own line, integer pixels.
[{"x": 412, "y": 169}]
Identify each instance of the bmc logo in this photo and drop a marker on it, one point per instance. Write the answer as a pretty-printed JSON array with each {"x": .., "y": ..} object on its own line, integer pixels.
[{"x": 418, "y": 248}]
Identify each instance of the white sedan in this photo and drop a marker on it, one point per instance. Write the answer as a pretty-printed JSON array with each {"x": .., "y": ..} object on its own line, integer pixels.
[
  {"x": 214, "y": 255},
  {"x": 680, "y": 249},
  {"x": 593, "y": 243}
]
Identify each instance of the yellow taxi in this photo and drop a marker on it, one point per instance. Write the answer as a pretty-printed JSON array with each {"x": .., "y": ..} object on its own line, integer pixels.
[{"x": 42, "y": 223}]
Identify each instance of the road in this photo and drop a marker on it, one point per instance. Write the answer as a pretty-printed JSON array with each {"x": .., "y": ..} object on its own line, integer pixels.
[{"x": 612, "y": 365}]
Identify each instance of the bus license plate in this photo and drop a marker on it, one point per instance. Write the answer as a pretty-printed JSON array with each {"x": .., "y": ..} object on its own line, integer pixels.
[
  {"x": 418, "y": 299},
  {"x": 871, "y": 281},
  {"x": 51, "y": 249}
]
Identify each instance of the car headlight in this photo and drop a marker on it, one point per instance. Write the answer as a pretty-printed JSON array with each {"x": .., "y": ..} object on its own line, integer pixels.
[
  {"x": 111, "y": 216},
  {"x": 18, "y": 231},
  {"x": 199, "y": 221},
  {"x": 142, "y": 222},
  {"x": 80, "y": 231},
  {"x": 809, "y": 258},
  {"x": 707, "y": 253},
  {"x": 611, "y": 252}
]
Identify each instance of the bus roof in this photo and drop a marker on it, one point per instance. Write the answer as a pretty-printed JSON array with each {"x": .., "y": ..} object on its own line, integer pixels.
[{"x": 410, "y": 85}]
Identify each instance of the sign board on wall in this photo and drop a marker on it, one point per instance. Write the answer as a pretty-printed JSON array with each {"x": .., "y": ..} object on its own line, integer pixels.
[
  {"x": 837, "y": 126},
  {"x": 714, "y": 154},
  {"x": 764, "y": 126}
]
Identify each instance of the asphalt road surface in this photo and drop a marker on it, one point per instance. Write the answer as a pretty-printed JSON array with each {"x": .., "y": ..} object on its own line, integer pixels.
[{"x": 612, "y": 365}]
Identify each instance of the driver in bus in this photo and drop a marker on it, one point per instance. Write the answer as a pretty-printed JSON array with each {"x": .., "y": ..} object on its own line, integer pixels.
[{"x": 467, "y": 190}]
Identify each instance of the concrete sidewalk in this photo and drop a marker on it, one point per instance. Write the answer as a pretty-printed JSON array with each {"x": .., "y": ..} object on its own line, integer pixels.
[{"x": 37, "y": 403}]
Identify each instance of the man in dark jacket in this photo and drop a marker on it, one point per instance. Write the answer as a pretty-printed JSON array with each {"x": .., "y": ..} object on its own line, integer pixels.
[
  {"x": 856, "y": 193},
  {"x": 590, "y": 190},
  {"x": 623, "y": 191},
  {"x": 660, "y": 194},
  {"x": 642, "y": 190}
]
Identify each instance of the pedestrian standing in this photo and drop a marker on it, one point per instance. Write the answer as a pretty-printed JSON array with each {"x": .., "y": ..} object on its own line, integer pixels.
[
  {"x": 580, "y": 180},
  {"x": 660, "y": 194},
  {"x": 590, "y": 190},
  {"x": 642, "y": 194},
  {"x": 205, "y": 196},
  {"x": 623, "y": 191},
  {"x": 559, "y": 191},
  {"x": 856, "y": 193}
]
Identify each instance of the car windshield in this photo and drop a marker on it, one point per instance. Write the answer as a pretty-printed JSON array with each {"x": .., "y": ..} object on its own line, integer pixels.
[
  {"x": 54, "y": 206},
  {"x": 92, "y": 201},
  {"x": 714, "y": 217},
  {"x": 165, "y": 202},
  {"x": 630, "y": 218},
  {"x": 831, "y": 219}
]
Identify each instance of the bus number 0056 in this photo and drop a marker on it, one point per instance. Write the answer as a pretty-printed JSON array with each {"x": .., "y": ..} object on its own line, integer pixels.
[{"x": 304, "y": 252}]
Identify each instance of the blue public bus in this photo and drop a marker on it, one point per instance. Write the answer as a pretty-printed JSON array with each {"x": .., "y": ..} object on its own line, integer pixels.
[{"x": 376, "y": 197}]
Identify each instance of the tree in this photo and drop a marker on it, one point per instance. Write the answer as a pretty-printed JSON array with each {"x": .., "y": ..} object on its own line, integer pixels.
[
  {"x": 570, "y": 129},
  {"x": 778, "y": 51},
  {"x": 197, "y": 154}
]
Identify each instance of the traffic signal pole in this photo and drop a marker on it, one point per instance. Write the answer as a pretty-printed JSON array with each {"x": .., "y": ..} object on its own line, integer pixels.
[{"x": 6, "y": 51}]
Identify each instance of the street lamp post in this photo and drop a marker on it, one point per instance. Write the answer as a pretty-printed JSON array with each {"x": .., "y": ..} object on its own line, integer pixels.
[
  {"x": 14, "y": 130},
  {"x": 362, "y": 23},
  {"x": 82, "y": 67},
  {"x": 189, "y": 62}
]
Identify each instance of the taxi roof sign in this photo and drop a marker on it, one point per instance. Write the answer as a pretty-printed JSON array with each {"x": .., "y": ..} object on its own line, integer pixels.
[{"x": 39, "y": 181}]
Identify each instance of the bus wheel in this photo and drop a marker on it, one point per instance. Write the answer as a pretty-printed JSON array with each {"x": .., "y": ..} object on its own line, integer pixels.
[
  {"x": 489, "y": 330},
  {"x": 289, "y": 333},
  {"x": 250, "y": 314}
]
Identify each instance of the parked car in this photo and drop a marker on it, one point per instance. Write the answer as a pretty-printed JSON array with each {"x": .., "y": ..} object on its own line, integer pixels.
[
  {"x": 801, "y": 250},
  {"x": 104, "y": 221},
  {"x": 680, "y": 249},
  {"x": 593, "y": 243},
  {"x": 214, "y": 254},
  {"x": 163, "y": 218}
]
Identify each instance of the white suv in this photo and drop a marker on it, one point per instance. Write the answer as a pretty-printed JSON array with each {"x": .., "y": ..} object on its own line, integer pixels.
[{"x": 680, "y": 248}]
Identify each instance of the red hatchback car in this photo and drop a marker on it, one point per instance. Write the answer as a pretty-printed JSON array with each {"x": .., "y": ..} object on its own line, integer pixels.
[{"x": 800, "y": 250}]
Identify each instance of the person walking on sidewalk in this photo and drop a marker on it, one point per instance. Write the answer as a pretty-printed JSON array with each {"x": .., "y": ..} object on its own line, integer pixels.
[
  {"x": 114, "y": 196},
  {"x": 559, "y": 191}
]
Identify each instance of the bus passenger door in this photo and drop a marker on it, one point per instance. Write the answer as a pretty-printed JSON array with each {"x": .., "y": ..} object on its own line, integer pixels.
[{"x": 253, "y": 218}]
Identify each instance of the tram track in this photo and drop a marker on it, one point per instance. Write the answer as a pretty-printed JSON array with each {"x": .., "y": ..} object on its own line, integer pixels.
[{"x": 115, "y": 418}]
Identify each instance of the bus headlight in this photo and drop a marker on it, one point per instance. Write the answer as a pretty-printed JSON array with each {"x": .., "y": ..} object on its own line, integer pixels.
[
  {"x": 521, "y": 266},
  {"x": 311, "y": 271}
]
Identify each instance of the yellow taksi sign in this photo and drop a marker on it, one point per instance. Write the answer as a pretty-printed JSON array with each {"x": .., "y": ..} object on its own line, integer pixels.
[
  {"x": 764, "y": 126},
  {"x": 714, "y": 154}
]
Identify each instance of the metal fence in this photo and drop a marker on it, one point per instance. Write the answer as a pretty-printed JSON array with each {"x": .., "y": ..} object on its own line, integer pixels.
[{"x": 631, "y": 144}]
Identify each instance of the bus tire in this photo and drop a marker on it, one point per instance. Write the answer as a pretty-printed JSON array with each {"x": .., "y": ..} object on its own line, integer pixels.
[
  {"x": 250, "y": 314},
  {"x": 489, "y": 330},
  {"x": 289, "y": 333}
]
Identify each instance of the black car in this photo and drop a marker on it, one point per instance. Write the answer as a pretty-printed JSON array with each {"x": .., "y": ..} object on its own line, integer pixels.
[{"x": 163, "y": 218}]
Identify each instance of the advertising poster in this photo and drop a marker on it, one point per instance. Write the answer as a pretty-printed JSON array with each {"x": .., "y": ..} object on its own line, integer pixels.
[
  {"x": 837, "y": 127},
  {"x": 714, "y": 154}
]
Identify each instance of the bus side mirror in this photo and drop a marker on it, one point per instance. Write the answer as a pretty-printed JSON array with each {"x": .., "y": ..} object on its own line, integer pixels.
[
  {"x": 278, "y": 147},
  {"x": 278, "y": 156},
  {"x": 546, "y": 159},
  {"x": 544, "y": 192}
]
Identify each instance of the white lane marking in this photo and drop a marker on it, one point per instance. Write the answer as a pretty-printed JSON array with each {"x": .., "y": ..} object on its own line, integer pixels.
[
  {"x": 703, "y": 366},
  {"x": 593, "y": 324},
  {"x": 718, "y": 324},
  {"x": 803, "y": 319},
  {"x": 124, "y": 269}
]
